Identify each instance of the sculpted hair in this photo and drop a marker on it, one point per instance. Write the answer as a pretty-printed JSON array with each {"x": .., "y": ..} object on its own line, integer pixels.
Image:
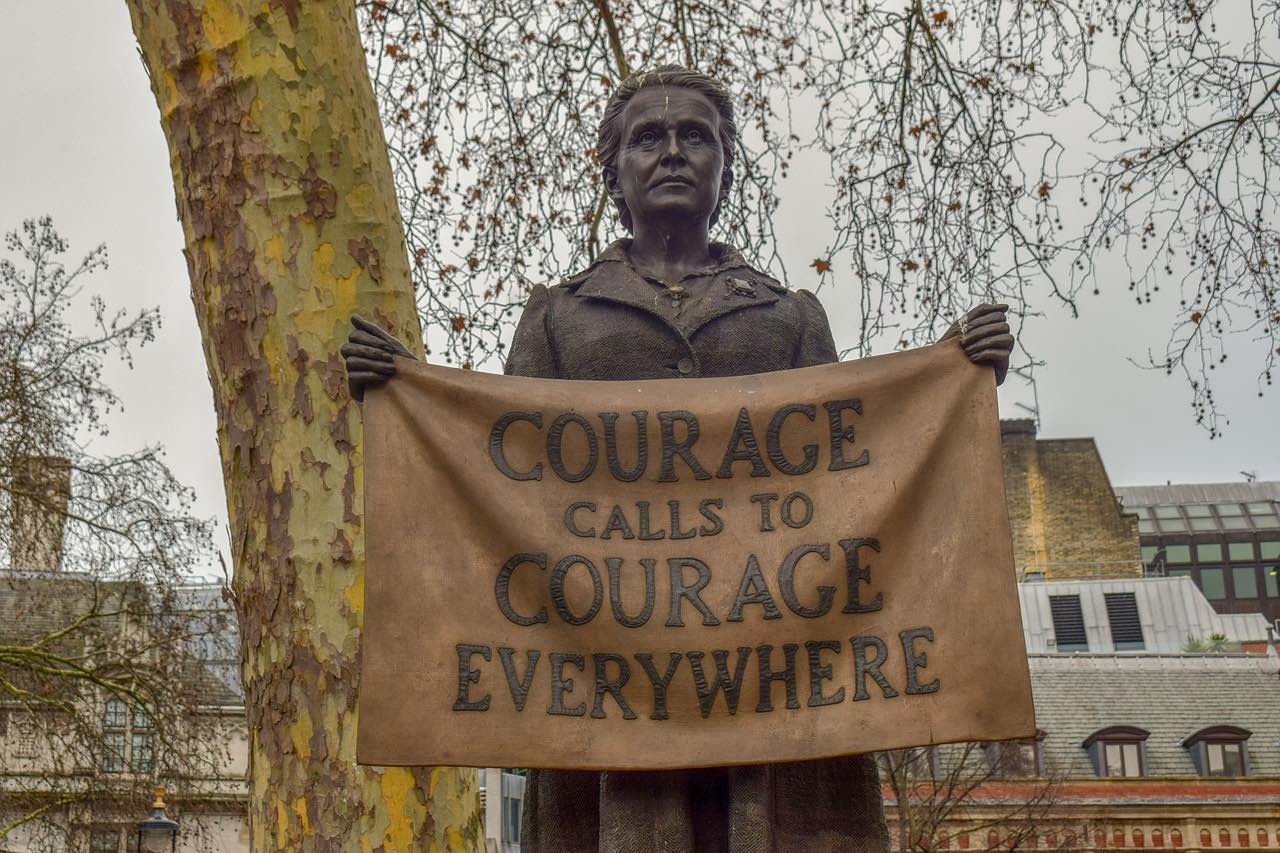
[{"x": 609, "y": 134}]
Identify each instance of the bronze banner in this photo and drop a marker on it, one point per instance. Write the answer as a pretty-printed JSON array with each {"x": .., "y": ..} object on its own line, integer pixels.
[{"x": 686, "y": 573}]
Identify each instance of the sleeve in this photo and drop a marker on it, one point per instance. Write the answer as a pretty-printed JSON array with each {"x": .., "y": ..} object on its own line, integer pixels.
[
  {"x": 816, "y": 344},
  {"x": 531, "y": 353}
]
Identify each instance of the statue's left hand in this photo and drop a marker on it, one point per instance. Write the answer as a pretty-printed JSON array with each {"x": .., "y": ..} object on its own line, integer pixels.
[{"x": 984, "y": 334}]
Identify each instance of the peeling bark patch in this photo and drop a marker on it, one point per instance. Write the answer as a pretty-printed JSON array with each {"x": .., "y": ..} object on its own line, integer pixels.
[
  {"x": 366, "y": 255},
  {"x": 319, "y": 194},
  {"x": 349, "y": 514},
  {"x": 340, "y": 548},
  {"x": 301, "y": 394},
  {"x": 333, "y": 378}
]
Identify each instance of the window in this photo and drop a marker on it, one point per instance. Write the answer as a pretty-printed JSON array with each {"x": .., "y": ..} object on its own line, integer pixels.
[
  {"x": 1271, "y": 575},
  {"x": 22, "y": 738},
  {"x": 1209, "y": 552},
  {"x": 1016, "y": 759},
  {"x": 1118, "y": 751},
  {"x": 1213, "y": 583},
  {"x": 1149, "y": 553},
  {"x": 126, "y": 739},
  {"x": 1068, "y": 623},
  {"x": 104, "y": 841},
  {"x": 1244, "y": 580},
  {"x": 1126, "y": 628},
  {"x": 1270, "y": 549},
  {"x": 1225, "y": 759},
  {"x": 1219, "y": 751},
  {"x": 1122, "y": 759},
  {"x": 1179, "y": 573},
  {"x": 1178, "y": 553},
  {"x": 1201, "y": 518},
  {"x": 1232, "y": 517},
  {"x": 1240, "y": 551}
]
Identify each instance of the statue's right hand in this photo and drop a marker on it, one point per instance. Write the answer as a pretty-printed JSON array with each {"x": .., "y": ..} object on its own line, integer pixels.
[{"x": 368, "y": 355}]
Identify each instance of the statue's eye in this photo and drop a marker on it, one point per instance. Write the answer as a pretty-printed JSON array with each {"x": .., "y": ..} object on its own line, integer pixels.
[
  {"x": 694, "y": 136},
  {"x": 647, "y": 138}
]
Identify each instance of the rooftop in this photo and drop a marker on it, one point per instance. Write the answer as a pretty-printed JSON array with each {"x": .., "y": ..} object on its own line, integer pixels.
[
  {"x": 1169, "y": 696},
  {"x": 1169, "y": 610},
  {"x": 1204, "y": 507}
]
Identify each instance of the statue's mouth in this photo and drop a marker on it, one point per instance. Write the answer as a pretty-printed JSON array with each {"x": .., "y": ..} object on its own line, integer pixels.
[{"x": 673, "y": 179}]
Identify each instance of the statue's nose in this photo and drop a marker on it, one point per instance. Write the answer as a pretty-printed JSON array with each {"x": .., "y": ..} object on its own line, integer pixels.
[{"x": 671, "y": 147}]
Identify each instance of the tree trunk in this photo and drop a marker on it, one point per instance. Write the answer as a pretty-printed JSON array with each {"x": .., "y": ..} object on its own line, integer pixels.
[{"x": 287, "y": 204}]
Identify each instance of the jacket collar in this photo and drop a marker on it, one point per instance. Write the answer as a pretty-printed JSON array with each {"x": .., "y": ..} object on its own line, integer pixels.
[{"x": 613, "y": 278}]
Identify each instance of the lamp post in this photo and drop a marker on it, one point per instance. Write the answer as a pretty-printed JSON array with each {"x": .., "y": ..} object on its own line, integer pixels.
[{"x": 158, "y": 833}]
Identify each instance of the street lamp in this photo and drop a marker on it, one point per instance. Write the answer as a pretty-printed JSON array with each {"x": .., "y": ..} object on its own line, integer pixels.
[{"x": 158, "y": 833}]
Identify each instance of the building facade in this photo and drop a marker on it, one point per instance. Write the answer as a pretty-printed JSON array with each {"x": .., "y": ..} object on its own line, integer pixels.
[
  {"x": 1225, "y": 537},
  {"x": 1063, "y": 512}
]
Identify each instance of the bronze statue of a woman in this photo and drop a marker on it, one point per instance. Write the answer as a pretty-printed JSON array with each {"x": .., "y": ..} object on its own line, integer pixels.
[{"x": 670, "y": 303}]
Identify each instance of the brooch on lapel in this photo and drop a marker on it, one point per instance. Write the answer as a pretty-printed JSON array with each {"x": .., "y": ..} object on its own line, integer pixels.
[{"x": 740, "y": 287}]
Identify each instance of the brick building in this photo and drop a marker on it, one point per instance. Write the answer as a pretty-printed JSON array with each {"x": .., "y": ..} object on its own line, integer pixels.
[
  {"x": 1064, "y": 514},
  {"x": 1175, "y": 752}
]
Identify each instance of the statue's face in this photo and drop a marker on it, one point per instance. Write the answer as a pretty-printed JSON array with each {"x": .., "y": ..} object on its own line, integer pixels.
[{"x": 670, "y": 161}]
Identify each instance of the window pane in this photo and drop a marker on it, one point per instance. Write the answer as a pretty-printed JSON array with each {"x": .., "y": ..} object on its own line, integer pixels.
[
  {"x": 1167, "y": 512},
  {"x": 1197, "y": 510},
  {"x": 1114, "y": 759},
  {"x": 113, "y": 752},
  {"x": 140, "y": 756},
  {"x": 1266, "y": 522},
  {"x": 1213, "y": 751},
  {"x": 1245, "y": 581},
  {"x": 104, "y": 841},
  {"x": 1229, "y": 509},
  {"x": 141, "y": 719},
  {"x": 1240, "y": 551},
  {"x": 115, "y": 716},
  {"x": 1149, "y": 553},
  {"x": 1179, "y": 573},
  {"x": 1131, "y": 764},
  {"x": 1261, "y": 507},
  {"x": 1213, "y": 584},
  {"x": 1172, "y": 525},
  {"x": 1209, "y": 552},
  {"x": 1203, "y": 524},
  {"x": 1270, "y": 549},
  {"x": 1271, "y": 575},
  {"x": 1232, "y": 759},
  {"x": 1178, "y": 553},
  {"x": 1145, "y": 526},
  {"x": 1234, "y": 522}
]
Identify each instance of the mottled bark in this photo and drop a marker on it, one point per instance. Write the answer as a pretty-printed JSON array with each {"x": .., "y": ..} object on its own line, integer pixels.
[{"x": 287, "y": 205}]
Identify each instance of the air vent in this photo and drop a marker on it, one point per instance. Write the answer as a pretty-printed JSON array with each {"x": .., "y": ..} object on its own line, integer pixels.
[
  {"x": 1068, "y": 623},
  {"x": 1126, "y": 629}
]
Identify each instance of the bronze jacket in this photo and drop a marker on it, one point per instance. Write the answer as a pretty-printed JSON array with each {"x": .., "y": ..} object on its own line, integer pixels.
[{"x": 610, "y": 322}]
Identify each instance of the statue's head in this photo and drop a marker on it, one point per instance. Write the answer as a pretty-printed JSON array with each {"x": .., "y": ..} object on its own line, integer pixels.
[{"x": 666, "y": 144}]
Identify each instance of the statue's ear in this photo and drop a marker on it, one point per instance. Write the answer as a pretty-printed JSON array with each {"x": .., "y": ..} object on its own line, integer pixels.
[
  {"x": 614, "y": 189},
  {"x": 611, "y": 185},
  {"x": 726, "y": 184}
]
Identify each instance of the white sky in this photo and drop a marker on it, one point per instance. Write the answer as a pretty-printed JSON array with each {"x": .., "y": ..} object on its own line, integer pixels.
[{"x": 82, "y": 141}]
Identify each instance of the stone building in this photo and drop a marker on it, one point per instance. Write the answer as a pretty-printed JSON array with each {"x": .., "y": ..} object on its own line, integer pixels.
[
  {"x": 87, "y": 795},
  {"x": 1063, "y": 511}
]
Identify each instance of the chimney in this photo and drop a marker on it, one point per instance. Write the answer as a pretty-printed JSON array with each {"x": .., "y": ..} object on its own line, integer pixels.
[
  {"x": 41, "y": 490},
  {"x": 1017, "y": 426}
]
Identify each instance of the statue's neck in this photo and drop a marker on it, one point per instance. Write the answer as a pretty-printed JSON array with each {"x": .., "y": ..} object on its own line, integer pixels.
[{"x": 670, "y": 251}]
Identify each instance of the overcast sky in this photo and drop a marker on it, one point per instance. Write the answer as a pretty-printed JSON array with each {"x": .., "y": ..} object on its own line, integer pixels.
[{"x": 82, "y": 141}]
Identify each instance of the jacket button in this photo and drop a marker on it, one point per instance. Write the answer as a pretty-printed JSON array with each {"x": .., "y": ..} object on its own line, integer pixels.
[{"x": 685, "y": 365}]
